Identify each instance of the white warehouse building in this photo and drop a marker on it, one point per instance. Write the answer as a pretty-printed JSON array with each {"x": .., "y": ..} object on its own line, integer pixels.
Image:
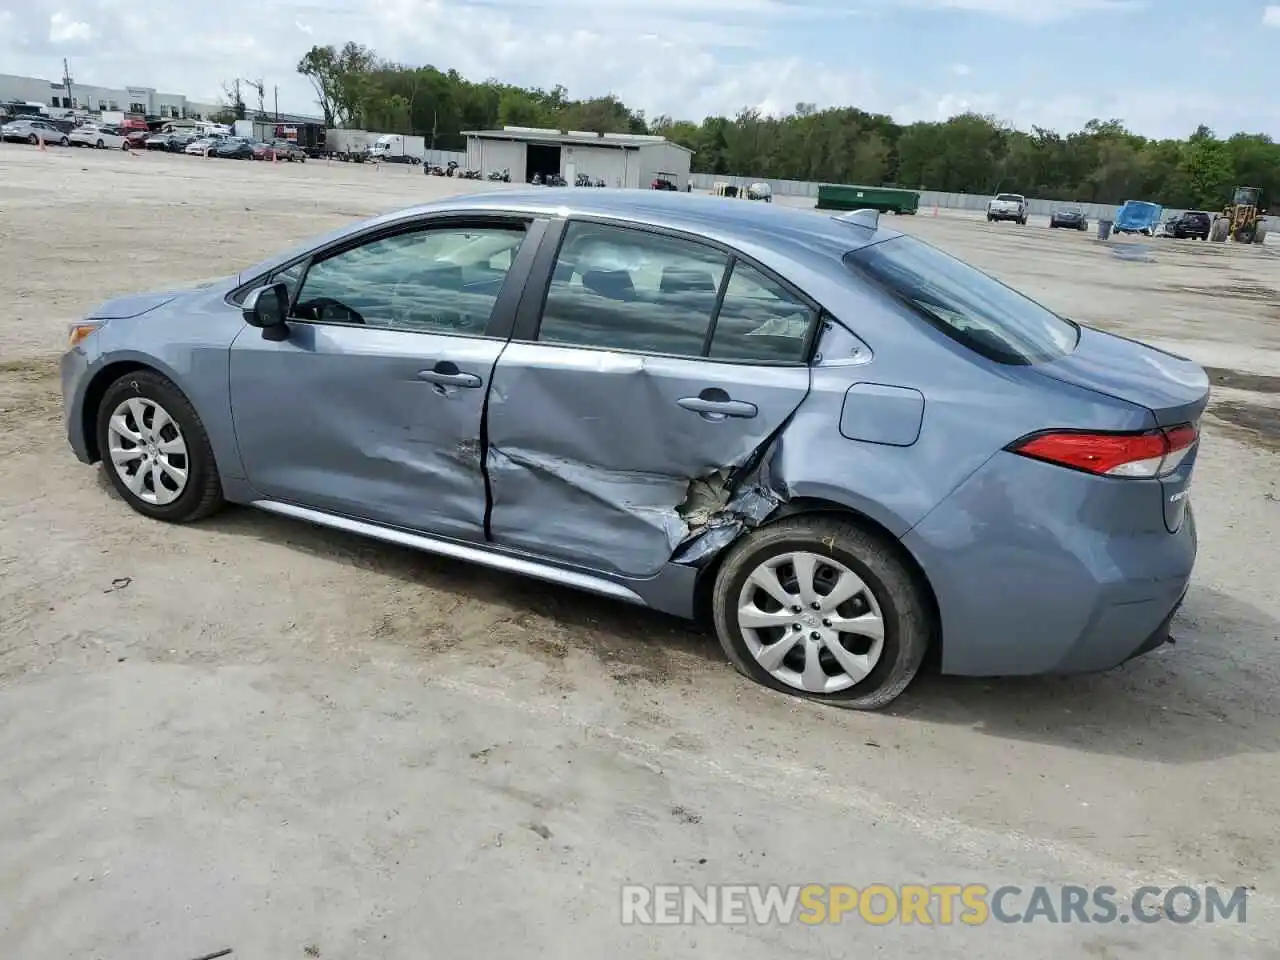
[{"x": 619, "y": 159}]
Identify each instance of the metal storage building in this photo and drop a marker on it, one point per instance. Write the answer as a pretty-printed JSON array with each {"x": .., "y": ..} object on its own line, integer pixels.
[{"x": 619, "y": 159}]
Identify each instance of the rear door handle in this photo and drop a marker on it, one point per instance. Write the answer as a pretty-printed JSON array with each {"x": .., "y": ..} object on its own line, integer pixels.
[
  {"x": 447, "y": 374},
  {"x": 718, "y": 409}
]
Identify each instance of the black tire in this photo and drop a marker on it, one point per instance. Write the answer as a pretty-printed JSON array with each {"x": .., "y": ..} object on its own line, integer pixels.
[
  {"x": 64, "y": 142},
  {"x": 202, "y": 495},
  {"x": 33, "y": 140},
  {"x": 100, "y": 145},
  {"x": 902, "y": 600}
]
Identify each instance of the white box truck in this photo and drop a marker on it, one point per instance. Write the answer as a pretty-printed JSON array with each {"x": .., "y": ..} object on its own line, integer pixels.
[
  {"x": 398, "y": 148},
  {"x": 352, "y": 145}
]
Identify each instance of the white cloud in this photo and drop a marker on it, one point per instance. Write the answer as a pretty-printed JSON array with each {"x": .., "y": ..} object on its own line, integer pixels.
[
  {"x": 1031, "y": 11},
  {"x": 1271, "y": 17},
  {"x": 674, "y": 57},
  {"x": 662, "y": 56},
  {"x": 64, "y": 28}
]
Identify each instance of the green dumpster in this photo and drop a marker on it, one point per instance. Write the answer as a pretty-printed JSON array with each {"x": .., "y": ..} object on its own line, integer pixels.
[{"x": 839, "y": 196}]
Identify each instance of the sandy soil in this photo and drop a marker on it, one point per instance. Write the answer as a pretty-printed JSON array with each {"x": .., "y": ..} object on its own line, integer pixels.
[{"x": 255, "y": 734}]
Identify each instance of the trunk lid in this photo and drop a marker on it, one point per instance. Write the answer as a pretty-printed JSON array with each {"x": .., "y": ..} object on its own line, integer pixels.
[{"x": 1173, "y": 389}]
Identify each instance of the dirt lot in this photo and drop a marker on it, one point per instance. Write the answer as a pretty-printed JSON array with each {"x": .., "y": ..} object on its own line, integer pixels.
[{"x": 255, "y": 734}]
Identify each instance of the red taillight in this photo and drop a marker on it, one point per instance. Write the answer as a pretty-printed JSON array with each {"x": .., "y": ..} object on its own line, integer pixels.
[{"x": 1155, "y": 453}]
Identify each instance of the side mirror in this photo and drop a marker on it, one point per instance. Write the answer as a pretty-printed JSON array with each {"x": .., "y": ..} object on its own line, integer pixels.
[{"x": 267, "y": 308}]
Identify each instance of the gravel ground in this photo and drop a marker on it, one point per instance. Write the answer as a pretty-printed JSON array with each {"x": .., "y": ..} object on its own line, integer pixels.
[{"x": 255, "y": 734}]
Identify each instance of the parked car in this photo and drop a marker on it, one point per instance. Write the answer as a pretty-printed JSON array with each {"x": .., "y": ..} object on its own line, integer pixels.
[
  {"x": 178, "y": 142},
  {"x": 663, "y": 183},
  {"x": 234, "y": 148},
  {"x": 1196, "y": 224},
  {"x": 760, "y": 191},
  {"x": 33, "y": 132},
  {"x": 98, "y": 136},
  {"x": 161, "y": 141},
  {"x": 285, "y": 150},
  {"x": 1007, "y": 206},
  {"x": 681, "y": 423},
  {"x": 136, "y": 139},
  {"x": 1070, "y": 215},
  {"x": 202, "y": 146}
]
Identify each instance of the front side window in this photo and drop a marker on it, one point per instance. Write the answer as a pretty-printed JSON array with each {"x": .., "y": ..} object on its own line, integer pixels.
[
  {"x": 627, "y": 289},
  {"x": 966, "y": 304},
  {"x": 443, "y": 280}
]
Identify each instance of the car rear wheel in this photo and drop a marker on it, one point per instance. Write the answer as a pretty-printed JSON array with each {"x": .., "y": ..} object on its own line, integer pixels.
[
  {"x": 820, "y": 608},
  {"x": 155, "y": 449},
  {"x": 64, "y": 142},
  {"x": 33, "y": 140}
]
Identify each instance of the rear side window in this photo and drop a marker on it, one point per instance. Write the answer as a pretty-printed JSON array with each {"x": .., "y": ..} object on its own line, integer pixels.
[
  {"x": 626, "y": 289},
  {"x": 965, "y": 303}
]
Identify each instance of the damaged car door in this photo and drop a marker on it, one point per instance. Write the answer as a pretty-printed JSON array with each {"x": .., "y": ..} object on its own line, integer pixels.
[
  {"x": 654, "y": 360},
  {"x": 371, "y": 405}
]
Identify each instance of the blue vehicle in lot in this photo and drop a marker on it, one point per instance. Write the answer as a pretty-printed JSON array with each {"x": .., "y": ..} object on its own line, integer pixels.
[
  {"x": 1138, "y": 216},
  {"x": 838, "y": 443}
]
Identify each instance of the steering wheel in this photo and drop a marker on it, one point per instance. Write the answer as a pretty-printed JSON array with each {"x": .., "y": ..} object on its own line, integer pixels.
[{"x": 315, "y": 309}]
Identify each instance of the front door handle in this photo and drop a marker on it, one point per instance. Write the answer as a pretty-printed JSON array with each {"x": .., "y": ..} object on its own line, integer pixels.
[
  {"x": 447, "y": 374},
  {"x": 718, "y": 409}
]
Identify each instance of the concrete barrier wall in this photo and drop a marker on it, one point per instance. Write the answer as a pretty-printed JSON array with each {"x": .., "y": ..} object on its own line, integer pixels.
[
  {"x": 973, "y": 203},
  {"x": 441, "y": 158}
]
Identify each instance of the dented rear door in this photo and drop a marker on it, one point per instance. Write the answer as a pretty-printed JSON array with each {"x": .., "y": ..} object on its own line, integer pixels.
[{"x": 592, "y": 450}]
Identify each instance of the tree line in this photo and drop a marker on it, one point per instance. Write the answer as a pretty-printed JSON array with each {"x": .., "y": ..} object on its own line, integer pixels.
[{"x": 971, "y": 153}]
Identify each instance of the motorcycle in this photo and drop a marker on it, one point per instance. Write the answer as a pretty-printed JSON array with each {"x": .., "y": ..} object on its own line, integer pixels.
[
  {"x": 555, "y": 180},
  {"x": 503, "y": 177},
  {"x": 470, "y": 175},
  {"x": 452, "y": 169}
]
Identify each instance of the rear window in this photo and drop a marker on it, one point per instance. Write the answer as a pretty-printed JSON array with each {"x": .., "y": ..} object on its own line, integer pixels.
[
  {"x": 1013, "y": 197},
  {"x": 965, "y": 303}
]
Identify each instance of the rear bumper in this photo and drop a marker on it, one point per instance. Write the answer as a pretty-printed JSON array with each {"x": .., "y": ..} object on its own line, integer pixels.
[{"x": 1041, "y": 570}]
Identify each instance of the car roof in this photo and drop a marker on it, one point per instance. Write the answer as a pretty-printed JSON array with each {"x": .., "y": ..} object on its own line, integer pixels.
[
  {"x": 732, "y": 221},
  {"x": 778, "y": 235}
]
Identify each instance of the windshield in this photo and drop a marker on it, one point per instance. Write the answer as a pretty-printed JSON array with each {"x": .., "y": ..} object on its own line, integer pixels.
[{"x": 966, "y": 304}]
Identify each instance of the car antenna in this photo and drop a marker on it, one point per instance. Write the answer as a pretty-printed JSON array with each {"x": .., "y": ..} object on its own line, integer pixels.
[{"x": 865, "y": 217}]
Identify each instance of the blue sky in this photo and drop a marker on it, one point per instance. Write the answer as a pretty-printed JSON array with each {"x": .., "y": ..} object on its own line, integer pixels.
[{"x": 1162, "y": 65}]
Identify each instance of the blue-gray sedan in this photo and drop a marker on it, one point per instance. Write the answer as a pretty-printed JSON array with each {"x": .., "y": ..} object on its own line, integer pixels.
[{"x": 842, "y": 445}]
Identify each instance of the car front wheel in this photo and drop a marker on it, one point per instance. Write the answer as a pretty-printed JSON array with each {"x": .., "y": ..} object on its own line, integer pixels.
[
  {"x": 155, "y": 449},
  {"x": 820, "y": 608}
]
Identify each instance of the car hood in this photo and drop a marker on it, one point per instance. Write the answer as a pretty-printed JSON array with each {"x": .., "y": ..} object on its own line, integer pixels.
[
  {"x": 1173, "y": 388},
  {"x": 136, "y": 304}
]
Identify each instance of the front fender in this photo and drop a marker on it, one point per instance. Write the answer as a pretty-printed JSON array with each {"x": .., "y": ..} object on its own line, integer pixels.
[{"x": 195, "y": 356}]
